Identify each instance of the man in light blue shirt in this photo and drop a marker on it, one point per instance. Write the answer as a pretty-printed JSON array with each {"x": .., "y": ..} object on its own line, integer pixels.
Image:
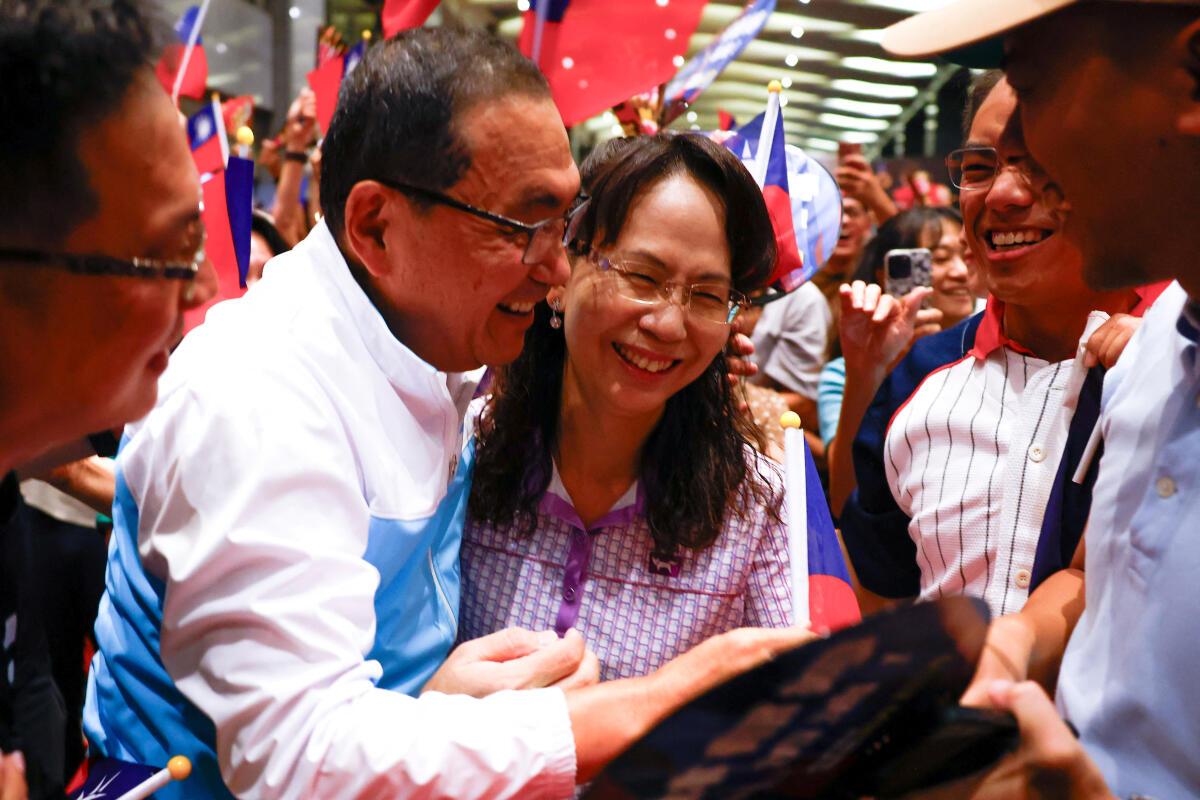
[{"x": 1101, "y": 85}]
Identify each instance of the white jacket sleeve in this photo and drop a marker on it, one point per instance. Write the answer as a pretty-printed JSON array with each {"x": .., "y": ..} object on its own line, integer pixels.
[{"x": 254, "y": 517}]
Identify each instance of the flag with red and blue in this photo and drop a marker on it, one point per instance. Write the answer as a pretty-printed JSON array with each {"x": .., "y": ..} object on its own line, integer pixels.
[
  {"x": 194, "y": 77},
  {"x": 831, "y": 601},
  {"x": 107, "y": 779},
  {"x": 790, "y": 269},
  {"x": 208, "y": 139}
]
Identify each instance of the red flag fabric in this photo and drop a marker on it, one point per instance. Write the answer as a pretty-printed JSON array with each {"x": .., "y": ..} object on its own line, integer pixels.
[
  {"x": 725, "y": 120},
  {"x": 596, "y": 53},
  {"x": 237, "y": 112},
  {"x": 219, "y": 248},
  {"x": 400, "y": 15},
  {"x": 195, "y": 77},
  {"x": 207, "y": 136},
  {"x": 325, "y": 81}
]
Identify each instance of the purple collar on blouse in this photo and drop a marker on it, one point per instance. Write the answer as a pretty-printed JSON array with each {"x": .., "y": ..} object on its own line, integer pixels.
[{"x": 556, "y": 502}]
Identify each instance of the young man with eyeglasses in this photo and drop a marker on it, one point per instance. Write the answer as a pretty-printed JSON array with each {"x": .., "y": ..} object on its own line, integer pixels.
[
  {"x": 1099, "y": 83},
  {"x": 285, "y": 574},
  {"x": 100, "y": 254},
  {"x": 978, "y": 430}
]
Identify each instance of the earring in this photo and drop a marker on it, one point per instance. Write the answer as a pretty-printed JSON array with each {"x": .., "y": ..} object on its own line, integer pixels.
[{"x": 556, "y": 313}]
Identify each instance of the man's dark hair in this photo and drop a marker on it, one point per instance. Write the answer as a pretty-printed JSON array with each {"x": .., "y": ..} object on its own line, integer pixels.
[
  {"x": 696, "y": 465},
  {"x": 65, "y": 66},
  {"x": 978, "y": 90},
  {"x": 396, "y": 112}
]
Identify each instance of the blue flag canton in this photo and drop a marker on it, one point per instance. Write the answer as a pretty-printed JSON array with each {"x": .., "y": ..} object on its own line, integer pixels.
[
  {"x": 555, "y": 9},
  {"x": 183, "y": 28},
  {"x": 203, "y": 125},
  {"x": 109, "y": 778}
]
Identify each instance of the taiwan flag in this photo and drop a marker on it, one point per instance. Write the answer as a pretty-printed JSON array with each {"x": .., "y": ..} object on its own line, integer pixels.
[
  {"x": 228, "y": 205},
  {"x": 597, "y": 53},
  {"x": 400, "y": 15},
  {"x": 789, "y": 270},
  {"x": 191, "y": 77},
  {"x": 326, "y": 82},
  {"x": 206, "y": 134},
  {"x": 107, "y": 779},
  {"x": 831, "y": 601}
]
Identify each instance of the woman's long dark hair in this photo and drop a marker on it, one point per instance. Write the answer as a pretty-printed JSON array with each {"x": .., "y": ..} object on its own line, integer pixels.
[{"x": 695, "y": 465}]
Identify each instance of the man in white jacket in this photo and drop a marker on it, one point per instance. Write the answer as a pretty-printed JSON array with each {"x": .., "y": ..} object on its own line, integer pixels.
[{"x": 284, "y": 578}]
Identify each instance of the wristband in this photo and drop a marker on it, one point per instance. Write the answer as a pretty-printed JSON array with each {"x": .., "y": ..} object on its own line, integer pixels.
[{"x": 299, "y": 156}]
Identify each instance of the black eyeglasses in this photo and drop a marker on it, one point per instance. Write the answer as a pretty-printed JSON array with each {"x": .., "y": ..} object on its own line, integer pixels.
[
  {"x": 545, "y": 237},
  {"x": 95, "y": 264}
]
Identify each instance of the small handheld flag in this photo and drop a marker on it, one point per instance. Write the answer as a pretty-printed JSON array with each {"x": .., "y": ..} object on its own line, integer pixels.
[
  {"x": 821, "y": 593},
  {"x": 793, "y": 445},
  {"x": 112, "y": 779},
  {"x": 771, "y": 173},
  {"x": 400, "y": 15},
  {"x": 206, "y": 134},
  {"x": 183, "y": 68},
  {"x": 703, "y": 68}
]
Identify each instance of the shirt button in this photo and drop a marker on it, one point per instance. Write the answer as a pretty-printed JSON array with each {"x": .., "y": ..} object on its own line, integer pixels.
[
  {"x": 1022, "y": 578},
  {"x": 1036, "y": 453},
  {"x": 569, "y": 594},
  {"x": 1165, "y": 486}
]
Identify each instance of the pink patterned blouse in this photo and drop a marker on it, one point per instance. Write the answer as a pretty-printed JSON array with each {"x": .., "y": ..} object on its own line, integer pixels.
[{"x": 636, "y": 612}]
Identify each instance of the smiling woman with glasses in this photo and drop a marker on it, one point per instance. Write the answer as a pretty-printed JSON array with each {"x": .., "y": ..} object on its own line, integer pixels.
[{"x": 615, "y": 489}]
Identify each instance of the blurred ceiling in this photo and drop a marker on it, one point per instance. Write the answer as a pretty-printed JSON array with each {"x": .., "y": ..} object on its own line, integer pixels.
[{"x": 839, "y": 84}]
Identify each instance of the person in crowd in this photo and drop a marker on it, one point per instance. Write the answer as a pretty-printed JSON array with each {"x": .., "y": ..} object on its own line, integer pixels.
[
  {"x": 918, "y": 190},
  {"x": 616, "y": 490},
  {"x": 858, "y": 180},
  {"x": 69, "y": 555},
  {"x": 791, "y": 332},
  {"x": 790, "y": 339},
  {"x": 289, "y": 209},
  {"x": 1100, "y": 83},
  {"x": 958, "y": 453},
  {"x": 265, "y": 243},
  {"x": 852, "y": 237},
  {"x": 949, "y": 302},
  {"x": 100, "y": 243},
  {"x": 284, "y": 575}
]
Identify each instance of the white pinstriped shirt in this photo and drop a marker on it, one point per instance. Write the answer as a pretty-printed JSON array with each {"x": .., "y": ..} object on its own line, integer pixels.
[{"x": 971, "y": 458}]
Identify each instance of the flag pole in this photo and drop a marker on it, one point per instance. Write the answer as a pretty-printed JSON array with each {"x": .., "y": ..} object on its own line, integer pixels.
[
  {"x": 177, "y": 769},
  {"x": 766, "y": 136},
  {"x": 542, "y": 12},
  {"x": 193, "y": 35},
  {"x": 796, "y": 491}
]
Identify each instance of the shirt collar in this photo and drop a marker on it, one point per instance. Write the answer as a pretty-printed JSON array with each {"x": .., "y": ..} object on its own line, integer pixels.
[
  {"x": 990, "y": 335},
  {"x": 404, "y": 369},
  {"x": 557, "y": 503}
]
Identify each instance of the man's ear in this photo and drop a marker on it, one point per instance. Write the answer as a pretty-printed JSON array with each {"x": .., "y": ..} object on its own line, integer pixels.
[
  {"x": 367, "y": 217},
  {"x": 1188, "y": 122}
]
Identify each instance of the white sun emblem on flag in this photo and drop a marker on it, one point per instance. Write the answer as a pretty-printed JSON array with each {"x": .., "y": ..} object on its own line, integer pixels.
[{"x": 101, "y": 790}]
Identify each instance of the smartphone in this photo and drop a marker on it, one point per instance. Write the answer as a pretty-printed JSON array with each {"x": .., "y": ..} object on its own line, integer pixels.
[
  {"x": 848, "y": 149},
  {"x": 905, "y": 270}
]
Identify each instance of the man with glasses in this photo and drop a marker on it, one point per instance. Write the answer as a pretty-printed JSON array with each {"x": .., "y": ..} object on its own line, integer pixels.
[
  {"x": 284, "y": 578},
  {"x": 100, "y": 251},
  {"x": 1101, "y": 84},
  {"x": 958, "y": 456}
]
